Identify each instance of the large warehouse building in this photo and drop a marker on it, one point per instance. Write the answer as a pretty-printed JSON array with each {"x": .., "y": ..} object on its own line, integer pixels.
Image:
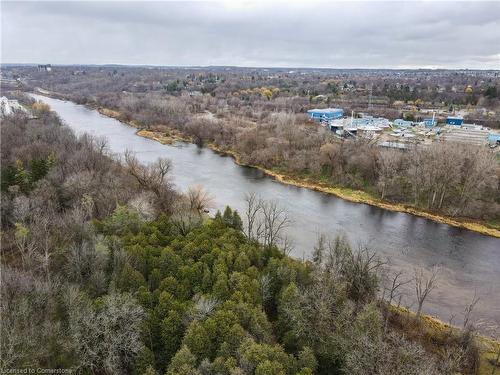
[{"x": 325, "y": 114}]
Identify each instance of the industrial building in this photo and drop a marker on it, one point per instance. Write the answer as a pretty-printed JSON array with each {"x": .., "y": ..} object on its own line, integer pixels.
[
  {"x": 403, "y": 123},
  {"x": 455, "y": 120},
  {"x": 353, "y": 126},
  {"x": 325, "y": 114},
  {"x": 419, "y": 132},
  {"x": 370, "y": 121}
]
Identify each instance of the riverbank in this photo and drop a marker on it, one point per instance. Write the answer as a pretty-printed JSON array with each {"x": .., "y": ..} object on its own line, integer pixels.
[
  {"x": 434, "y": 335},
  {"x": 167, "y": 135},
  {"x": 356, "y": 196}
]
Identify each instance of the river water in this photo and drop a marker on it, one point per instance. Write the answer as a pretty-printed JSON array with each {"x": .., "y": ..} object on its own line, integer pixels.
[{"x": 469, "y": 262}]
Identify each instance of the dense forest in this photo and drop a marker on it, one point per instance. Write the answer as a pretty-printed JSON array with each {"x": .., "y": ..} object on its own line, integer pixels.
[
  {"x": 106, "y": 269},
  {"x": 259, "y": 116}
]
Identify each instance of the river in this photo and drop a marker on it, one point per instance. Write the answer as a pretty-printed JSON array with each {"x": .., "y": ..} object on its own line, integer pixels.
[{"x": 469, "y": 262}]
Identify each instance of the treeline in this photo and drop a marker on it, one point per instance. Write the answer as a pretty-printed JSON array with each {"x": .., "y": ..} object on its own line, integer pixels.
[
  {"x": 455, "y": 179},
  {"x": 435, "y": 88},
  {"x": 106, "y": 269}
]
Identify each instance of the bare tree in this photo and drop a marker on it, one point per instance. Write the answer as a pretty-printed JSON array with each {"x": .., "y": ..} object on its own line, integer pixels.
[
  {"x": 143, "y": 204},
  {"x": 396, "y": 283},
  {"x": 360, "y": 270},
  {"x": 478, "y": 174},
  {"x": 276, "y": 220},
  {"x": 108, "y": 338},
  {"x": 469, "y": 309},
  {"x": 252, "y": 211},
  {"x": 265, "y": 288},
  {"x": 319, "y": 250},
  {"x": 339, "y": 250},
  {"x": 27, "y": 304},
  {"x": 388, "y": 164},
  {"x": 203, "y": 307},
  {"x": 424, "y": 284},
  {"x": 266, "y": 221},
  {"x": 199, "y": 199},
  {"x": 287, "y": 245},
  {"x": 43, "y": 225},
  {"x": 25, "y": 244},
  {"x": 183, "y": 218},
  {"x": 442, "y": 172},
  {"x": 153, "y": 177}
]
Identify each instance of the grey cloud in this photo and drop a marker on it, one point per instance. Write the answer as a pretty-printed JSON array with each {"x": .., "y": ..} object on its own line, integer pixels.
[{"x": 322, "y": 34}]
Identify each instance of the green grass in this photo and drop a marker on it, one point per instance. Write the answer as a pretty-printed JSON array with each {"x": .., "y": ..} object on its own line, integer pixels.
[
  {"x": 494, "y": 223},
  {"x": 487, "y": 357}
]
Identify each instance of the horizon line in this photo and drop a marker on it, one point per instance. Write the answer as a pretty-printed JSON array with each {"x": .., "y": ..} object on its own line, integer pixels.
[{"x": 239, "y": 66}]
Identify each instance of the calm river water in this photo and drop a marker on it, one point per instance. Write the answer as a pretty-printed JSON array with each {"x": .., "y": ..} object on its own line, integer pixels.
[{"x": 469, "y": 262}]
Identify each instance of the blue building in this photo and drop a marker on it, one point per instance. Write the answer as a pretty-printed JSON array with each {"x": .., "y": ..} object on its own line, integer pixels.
[
  {"x": 494, "y": 139},
  {"x": 430, "y": 122},
  {"x": 325, "y": 114},
  {"x": 455, "y": 120}
]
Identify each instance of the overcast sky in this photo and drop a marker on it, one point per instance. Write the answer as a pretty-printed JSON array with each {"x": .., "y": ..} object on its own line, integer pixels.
[{"x": 266, "y": 33}]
